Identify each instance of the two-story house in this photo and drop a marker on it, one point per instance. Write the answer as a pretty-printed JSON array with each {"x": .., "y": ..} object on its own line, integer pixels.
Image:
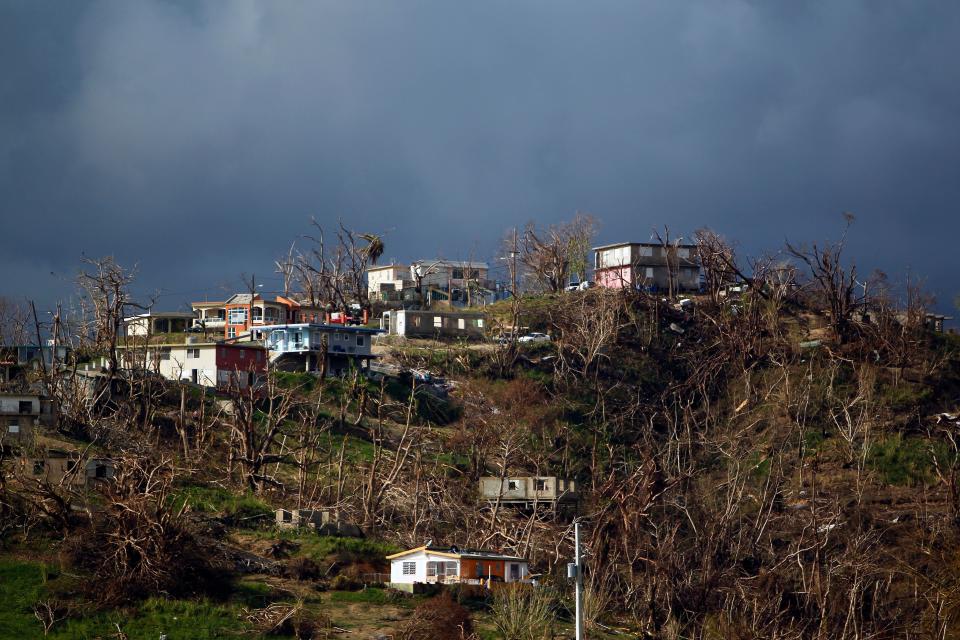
[
  {"x": 156, "y": 322},
  {"x": 243, "y": 313},
  {"x": 645, "y": 265},
  {"x": 388, "y": 282},
  {"x": 302, "y": 346},
  {"x": 211, "y": 364},
  {"x": 19, "y": 415}
]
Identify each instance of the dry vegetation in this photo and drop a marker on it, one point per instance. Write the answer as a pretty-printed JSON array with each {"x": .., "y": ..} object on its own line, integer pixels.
[{"x": 762, "y": 464}]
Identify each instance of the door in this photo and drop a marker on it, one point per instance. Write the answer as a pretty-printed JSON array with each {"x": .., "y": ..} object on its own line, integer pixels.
[{"x": 514, "y": 571}]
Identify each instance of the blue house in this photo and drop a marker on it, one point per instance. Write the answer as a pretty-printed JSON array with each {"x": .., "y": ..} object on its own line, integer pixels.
[{"x": 300, "y": 347}]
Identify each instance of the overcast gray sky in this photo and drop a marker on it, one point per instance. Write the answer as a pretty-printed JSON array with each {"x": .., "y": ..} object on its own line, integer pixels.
[{"x": 198, "y": 138}]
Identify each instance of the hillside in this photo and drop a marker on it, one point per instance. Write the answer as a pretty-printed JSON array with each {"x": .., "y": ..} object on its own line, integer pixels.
[{"x": 745, "y": 467}]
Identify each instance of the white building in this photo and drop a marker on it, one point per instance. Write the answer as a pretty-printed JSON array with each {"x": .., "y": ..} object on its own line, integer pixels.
[
  {"x": 387, "y": 279},
  {"x": 158, "y": 322},
  {"x": 430, "y": 564},
  {"x": 417, "y": 323},
  {"x": 210, "y": 364}
]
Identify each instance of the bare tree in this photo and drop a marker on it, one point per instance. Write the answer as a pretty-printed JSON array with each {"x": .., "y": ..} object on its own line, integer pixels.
[
  {"x": 835, "y": 284},
  {"x": 14, "y": 322},
  {"x": 337, "y": 275},
  {"x": 551, "y": 255},
  {"x": 106, "y": 299},
  {"x": 716, "y": 257}
]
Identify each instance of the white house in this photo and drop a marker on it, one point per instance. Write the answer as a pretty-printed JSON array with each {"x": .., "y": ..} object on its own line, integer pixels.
[
  {"x": 419, "y": 323},
  {"x": 210, "y": 364},
  {"x": 156, "y": 322},
  {"x": 387, "y": 279},
  {"x": 432, "y": 564}
]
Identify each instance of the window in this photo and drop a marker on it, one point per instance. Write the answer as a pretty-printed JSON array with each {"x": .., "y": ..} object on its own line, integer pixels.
[
  {"x": 541, "y": 484},
  {"x": 646, "y": 252},
  {"x": 13, "y": 427},
  {"x": 480, "y": 323},
  {"x": 409, "y": 568},
  {"x": 683, "y": 253},
  {"x": 461, "y": 323},
  {"x": 238, "y": 316},
  {"x": 193, "y": 352},
  {"x": 441, "y": 568},
  {"x": 243, "y": 353},
  {"x": 649, "y": 272},
  {"x": 511, "y": 485},
  {"x": 458, "y": 273},
  {"x": 257, "y": 314},
  {"x": 359, "y": 341},
  {"x": 232, "y": 332},
  {"x": 437, "y": 321},
  {"x": 164, "y": 354}
]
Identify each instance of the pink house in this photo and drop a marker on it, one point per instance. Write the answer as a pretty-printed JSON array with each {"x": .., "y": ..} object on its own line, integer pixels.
[{"x": 649, "y": 265}]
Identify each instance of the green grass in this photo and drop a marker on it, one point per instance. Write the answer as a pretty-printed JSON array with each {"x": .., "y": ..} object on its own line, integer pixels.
[
  {"x": 908, "y": 461},
  {"x": 370, "y": 595},
  {"x": 22, "y": 584},
  {"x": 217, "y": 500},
  {"x": 906, "y": 396},
  {"x": 320, "y": 547},
  {"x": 357, "y": 450}
]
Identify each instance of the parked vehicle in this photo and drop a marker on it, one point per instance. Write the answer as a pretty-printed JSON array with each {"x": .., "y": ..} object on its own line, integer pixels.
[
  {"x": 534, "y": 337},
  {"x": 574, "y": 286},
  {"x": 587, "y": 284}
]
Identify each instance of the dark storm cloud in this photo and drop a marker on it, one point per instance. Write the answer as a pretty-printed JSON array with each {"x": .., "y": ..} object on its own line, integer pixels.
[{"x": 198, "y": 138}]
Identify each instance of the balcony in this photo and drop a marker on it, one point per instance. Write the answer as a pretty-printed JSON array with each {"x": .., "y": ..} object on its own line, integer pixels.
[{"x": 210, "y": 323}]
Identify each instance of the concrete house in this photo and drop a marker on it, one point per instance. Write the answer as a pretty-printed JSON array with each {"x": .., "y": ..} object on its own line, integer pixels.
[
  {"x": 19, "y": 415},
  {"x": 432, "y": 564},
  {"x": 244, "y": 313},
  {"x": 388, "y": 282},
  {"x": 527, "y": 490},
  {"x": 647, "y": 266},
  {"x": 210, "y": 364},
  {"x": 413, "y": 323},
  {"x": 321, "y": 521},
  {"x": 157, "y": 322},
  {"x": 59, "y": 465},
  {"x": 300, "y": 347}
]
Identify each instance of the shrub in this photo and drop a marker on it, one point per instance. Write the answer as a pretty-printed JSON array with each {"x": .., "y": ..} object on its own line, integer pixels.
[
  {"x": 474, "y": 594},
  {"x": 438, "y": 618},
  {"x": 343, "y": 583},
  {"x": 302, "y": 569},
  {"x": 522, "y": 612}
]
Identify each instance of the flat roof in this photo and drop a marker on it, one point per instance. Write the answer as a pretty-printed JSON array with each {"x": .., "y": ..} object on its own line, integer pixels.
[
  {"x": 454, "y": 263},
  {"x": 641, "y": 244},
  {"x": 316, "y": 325},
  {"x": 439, "y": 313},
  {"x": 162, "y": 314},
  {"x": 154, "y": 345},
  {"x": 388, "y": 266}
]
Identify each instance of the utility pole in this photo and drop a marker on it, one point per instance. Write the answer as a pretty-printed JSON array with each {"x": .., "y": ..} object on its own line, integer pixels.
[
  {"x": 513, "y": 269},
  {"x": 575, "y": 571}
]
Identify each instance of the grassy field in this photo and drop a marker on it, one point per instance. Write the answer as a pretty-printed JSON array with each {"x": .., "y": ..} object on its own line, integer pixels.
[{"x": 23, "y": 584}]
